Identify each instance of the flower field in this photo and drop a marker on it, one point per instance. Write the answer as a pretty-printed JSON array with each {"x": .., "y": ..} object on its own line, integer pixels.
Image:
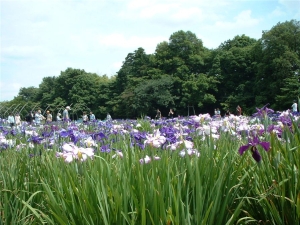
[{"x": 193, "y": 170}]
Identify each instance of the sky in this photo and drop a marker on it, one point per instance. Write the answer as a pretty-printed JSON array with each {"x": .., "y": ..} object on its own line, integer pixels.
[{"x": 42, "y": 38}]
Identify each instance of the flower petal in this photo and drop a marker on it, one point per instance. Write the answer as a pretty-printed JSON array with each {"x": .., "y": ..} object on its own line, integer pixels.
[
  {"x": 256, "y": 155},
  {"x": 243, "y": 148},
  {"x": 265, "y": 145}
]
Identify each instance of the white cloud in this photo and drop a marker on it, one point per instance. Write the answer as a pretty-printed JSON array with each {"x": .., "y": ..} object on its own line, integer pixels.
[
  {"x": 153, "y": 10},
  {"x": 137, "y": 4},
  {"x": 277, "y": 12},
  {"x": 187, "y": 13},
  {"x": 20, "y": 51},
  {"x": 9, "y": 90},
  {"x": 291, "y": 4},
  {"x": 242, "y": 20},
  {"x": 176, "y": 10}
]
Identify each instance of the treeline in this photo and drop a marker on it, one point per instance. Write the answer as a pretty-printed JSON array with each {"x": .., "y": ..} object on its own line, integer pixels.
[{"x": 183, "y": 75}]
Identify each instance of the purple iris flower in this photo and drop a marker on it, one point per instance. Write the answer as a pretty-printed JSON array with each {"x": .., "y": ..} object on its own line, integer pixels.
[
  {"x": 35, "y": 139},
  {"x": 46, "y": 134},
  {"x": 286, "y": 120},
  {"x": 55, "y": 128},
  {"x": 141, "y": 145},
  {"x": 275, "y": 129},
  {"x": 252, "y": 145},
  {"x": 105, "y": 148},
  {"x": 263, "y": 111},
  {"x": 64, "y": 133},
  {"x": 13, "y": 132},
  {"x": 74, "y": 138},
  {"x": 5, "y": 132},
  {"x": 3, "y": 146},
  {"x": 139, "y": 136},
  {"x": 98, "y": 136}
]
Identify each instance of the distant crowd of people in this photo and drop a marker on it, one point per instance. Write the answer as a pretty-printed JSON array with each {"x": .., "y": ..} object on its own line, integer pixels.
[
  {"x": 36, "y": 118},
  {"x": 217, "y": 111}
]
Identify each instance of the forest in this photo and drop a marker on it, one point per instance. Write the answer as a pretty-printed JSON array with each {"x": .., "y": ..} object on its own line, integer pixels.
[{"x": 181, "y": 74}]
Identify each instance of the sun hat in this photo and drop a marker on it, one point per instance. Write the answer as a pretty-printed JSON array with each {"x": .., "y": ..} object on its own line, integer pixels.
[{"x": 68, "y": 107}]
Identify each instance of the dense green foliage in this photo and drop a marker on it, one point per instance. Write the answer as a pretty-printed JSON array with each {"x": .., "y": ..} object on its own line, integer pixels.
[
  {"x": 218, "y": 187},
  {"x": 181, "y": 74}
]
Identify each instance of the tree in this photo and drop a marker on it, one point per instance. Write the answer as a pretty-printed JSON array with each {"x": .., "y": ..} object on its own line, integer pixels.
[
  {"x": 278, "y": 53},
  {"x": 233, "y": 69},
  {"x": 135, "y": 65},
  {"x": 65, "y": 82},
  {"x": 182, "y": 58},
  {"x": 132, "y": 73},
  {"x": 197, "y": 90},
  {"x": 28, "y": 94},
  {"x": 290, "y": 91},
  {"x": 46, "y": 92},
  {"x": 154, "y": 94}
]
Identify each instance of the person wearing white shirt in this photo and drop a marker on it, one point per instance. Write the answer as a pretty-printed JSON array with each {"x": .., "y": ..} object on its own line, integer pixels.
[
  {"x": 294, "y": 107},
  {"x": 11, "y": 120},
  {"x": 58, "y": 118},
  {"x": 38, "y": 117}
]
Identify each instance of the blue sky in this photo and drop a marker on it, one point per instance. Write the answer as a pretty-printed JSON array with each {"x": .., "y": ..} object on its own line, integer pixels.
[{"x": 42, "y": 38}]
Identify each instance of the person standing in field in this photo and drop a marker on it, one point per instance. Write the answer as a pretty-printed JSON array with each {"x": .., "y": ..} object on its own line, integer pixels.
[
  {"x": 49, "y": 117},
  {"x": 238, "y": 110},
  {"x": 171, "y": 113},
  {"x": 108, "y": 117},
  {"x": 66, "y": 114},
  {"x": 58, "y": 118},
  {"x": 11, "y": 120},
  {"x": 295, "y": 107},
  {"x": 218, "y": 113},
  {"x": 158, "y": 114},
  {"x": 92, "y": 116},
  {"x": 227, "y": 113},
  {"x": 85, "y": 117},
  {"x": 29, "y": 117},
  {"x": 17, "y": 119},
  {"x": 38, "y": 117}
]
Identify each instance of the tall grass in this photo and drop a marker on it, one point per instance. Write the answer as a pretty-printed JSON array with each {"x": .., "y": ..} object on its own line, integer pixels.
[{"x": 219, "y": 187}]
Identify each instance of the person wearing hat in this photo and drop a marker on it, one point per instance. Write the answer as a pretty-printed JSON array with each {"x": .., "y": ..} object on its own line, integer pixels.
[
  {"x": 49, "y": 116},
  {"x": 58, "y": 118},
  {"x": 66, "y": 114}
]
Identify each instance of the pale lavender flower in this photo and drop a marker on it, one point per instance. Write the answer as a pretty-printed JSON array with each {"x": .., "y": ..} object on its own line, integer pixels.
[
  {"x": 89, "y": 142},
  {"x": 156, "y": 157},
  {"x": 145, "y": 160},
  {"x": 155, "y": 139},
  {"x": 189, "y": 152},
  {"x": 187, "y": 144},
  {"x": 72, "y": 152},
  {"x": 118, "y": 154}
]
